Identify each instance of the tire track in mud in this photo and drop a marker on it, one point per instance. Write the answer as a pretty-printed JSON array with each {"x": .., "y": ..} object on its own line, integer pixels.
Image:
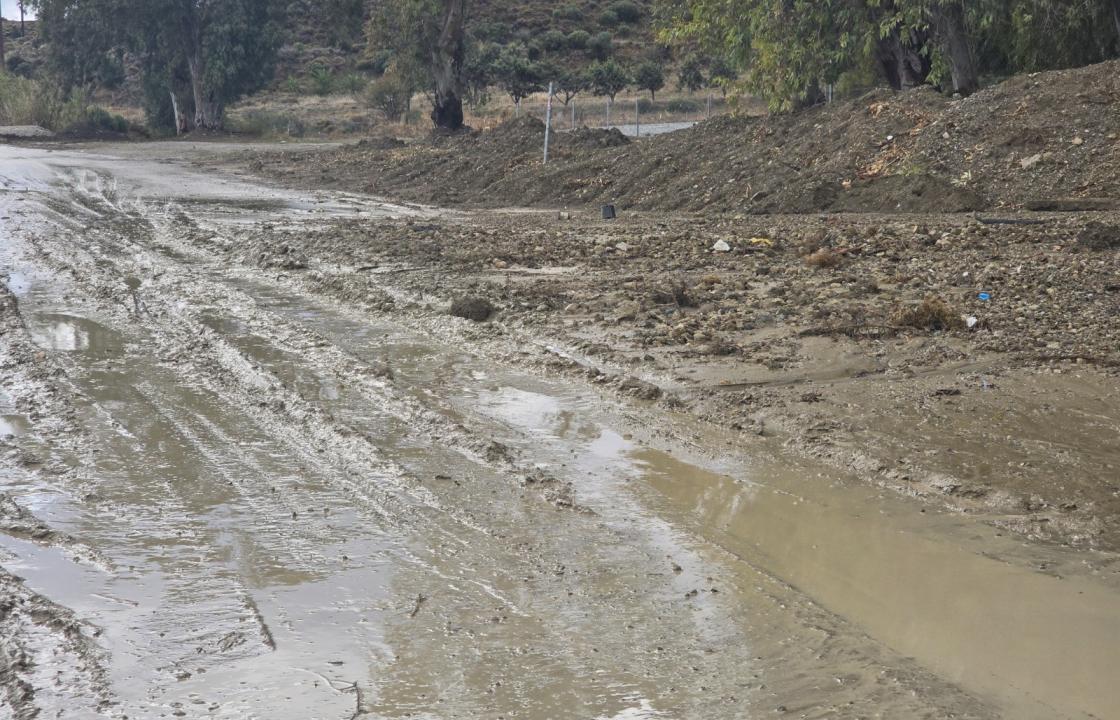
[{"x": 510, "y": 628}]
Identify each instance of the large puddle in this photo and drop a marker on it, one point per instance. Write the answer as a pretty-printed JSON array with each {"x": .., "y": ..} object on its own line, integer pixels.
[{"x": 343, "y": 559}]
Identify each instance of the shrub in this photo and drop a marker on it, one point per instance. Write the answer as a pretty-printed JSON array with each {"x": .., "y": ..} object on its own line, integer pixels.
[
  {"x": 110, "y": 72},
  {"x": 292, "y": 85},
  {"x": 626, "y": 11},
  {"x": 377, "y": 63},
  {"x": 600, "y": 46},
  {"x": 266, "y": 122},
  {"x": 578, "y": 39},
  {"x": 493, "y": 31},
  {"x": 608, "y": 19},
  {"x": 645, "y": 105},
  {"x": 101, "y": 120},
  {"x": 322, "y": 80},
  {"x": 391, "y": 95},
  {"x": 933, "y": 313},
  {"x": 570, "y": 13},
  {"x": 554, "y": 40},
  {"x": 351, "y": 83},
  {"x": 682, "y": 106},
  {"x": 31, "y": 102}
]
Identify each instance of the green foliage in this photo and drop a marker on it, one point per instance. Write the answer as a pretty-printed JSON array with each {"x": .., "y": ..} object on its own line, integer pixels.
[
  {"x": 492, "y": 31},
  {"x": 609, "y": 19},
  {"x": 96, "y": 121},
  {"x": 554, "y": 40},
  {"x": 690, "y": 73},
  {"x": 344, "y": 20},
  {"x": 608, "y": 78},
  {"x": 600, "y": 46},
  {"x": 33, "y": 102},
  {"x": 578, "y": 39},
  {"x": 682, "y": 106},
  {"x": 292, "y": 85},
  {"x": 322, "y": 80},
  {"x": 569, "y": 13},
  {"x": 265, "y": 123},
  {"x": 206, "y": 53},
  {"x": 351, "y": 83},
  {"x": 110, "y": 71},
  {"x": 570, "y": 82},
  {"x": 626, "y": 11},
  {"x": 391, "y": 95},
  {"x": 787, "y": 49},
  {"x": 515, "y": 73},
  {"x": 648, "y": 75}
]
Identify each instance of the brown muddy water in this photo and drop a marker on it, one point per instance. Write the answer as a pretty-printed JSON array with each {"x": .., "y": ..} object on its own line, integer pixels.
[{"x": 255, "y": 502}]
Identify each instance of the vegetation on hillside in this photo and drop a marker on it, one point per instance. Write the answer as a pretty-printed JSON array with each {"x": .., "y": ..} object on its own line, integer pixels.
[{"x": 791, "y": 50}]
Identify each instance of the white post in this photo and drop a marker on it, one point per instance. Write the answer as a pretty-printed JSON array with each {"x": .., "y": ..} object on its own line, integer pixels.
[
  {"x": 547, "y": 123},
  {"x": 709, "y": 106},
  {"x": 637, "y": 121},
  {"x": 517, "y": 108},
  {"x": 573, "y": 101},
  {"x": 608, "y": 111}
]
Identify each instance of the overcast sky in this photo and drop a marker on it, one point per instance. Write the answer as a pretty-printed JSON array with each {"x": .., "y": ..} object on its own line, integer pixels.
[{"x": 11, "y": 10}]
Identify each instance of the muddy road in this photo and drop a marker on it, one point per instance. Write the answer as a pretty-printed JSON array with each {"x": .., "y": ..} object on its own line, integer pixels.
[{"x": 224, "y": 494}]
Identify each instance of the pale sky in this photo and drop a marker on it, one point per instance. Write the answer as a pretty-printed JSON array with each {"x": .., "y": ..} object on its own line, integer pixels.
[{"x": 11, "y": 10}]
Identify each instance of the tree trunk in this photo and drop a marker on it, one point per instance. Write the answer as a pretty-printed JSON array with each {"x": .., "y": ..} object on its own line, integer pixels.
[
  {"x": 1116, "y": 18},
  {"x": 952, "y": 34},
  {"x": 3, "y": 63},
  {"x": 902, "y": 63},
  {"x": 447, "y": 67},
  {"x": 22, "y": 28},
  {"x": 207, "y": 111}
]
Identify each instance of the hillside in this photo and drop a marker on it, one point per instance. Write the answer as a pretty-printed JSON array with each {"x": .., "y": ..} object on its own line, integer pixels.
[{"x": 1039, "y": 136}]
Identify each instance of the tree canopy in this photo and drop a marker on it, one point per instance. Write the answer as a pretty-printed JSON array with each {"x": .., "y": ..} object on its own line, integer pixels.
[
  {"x": 198, "y": 55},
  {"x": 789, "y": 49}
]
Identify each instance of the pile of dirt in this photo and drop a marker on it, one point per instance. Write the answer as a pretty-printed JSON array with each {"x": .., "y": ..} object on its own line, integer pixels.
[{"x": 1045, "y": 135}]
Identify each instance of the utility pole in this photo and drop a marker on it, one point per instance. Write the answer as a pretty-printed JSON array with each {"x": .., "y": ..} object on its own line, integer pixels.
[
  {"x": 22, "y": 31},
  {"x": 3, "y": 63},
  {"x": 548, "y": 123}
]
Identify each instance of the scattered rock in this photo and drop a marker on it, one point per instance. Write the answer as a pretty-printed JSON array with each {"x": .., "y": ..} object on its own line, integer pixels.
[{"x": 472, "y": 308}]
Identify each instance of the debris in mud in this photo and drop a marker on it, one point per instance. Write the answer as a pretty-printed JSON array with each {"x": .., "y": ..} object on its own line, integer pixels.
[
  {"x": 1099, "y": 236},
  {"x": 283, "y": 257},
  {"x": 472, "y": 308},
  {"x": 933, "y": 314}
]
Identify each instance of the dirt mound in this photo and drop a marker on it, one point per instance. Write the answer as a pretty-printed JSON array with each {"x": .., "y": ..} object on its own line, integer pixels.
[{"x": 1046, "y": 135}]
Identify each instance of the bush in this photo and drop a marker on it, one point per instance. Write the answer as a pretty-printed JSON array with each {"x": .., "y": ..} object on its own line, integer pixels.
[
  {"x": 600, "y": 46},
  {"x": 682, "y": 106},
  {"x": 645, "y": 105},
  {"x": 608, "y": 19},
  {"x": 626, "y": 11},
  {"x": 494, "y": 32},
  {"x": 570, "y": 13},
  {"x": 101, "y": 120},
  {"x": 554, "y": 40},
  {"x": 266, "y": 122},
  {"x": 322, "y": 80},
  {"x": 578, "y": 39},
  {"x": 31, "y": 102},
  {"x": 391, "y": 95},
  {"x": 351, "y": 83},
  {"x": 377, "y": 63},
  {"x": 110, "y": 72}
]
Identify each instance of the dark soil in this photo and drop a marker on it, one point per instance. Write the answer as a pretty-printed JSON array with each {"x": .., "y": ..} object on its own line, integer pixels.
[{"x": 1033, "y": 139}]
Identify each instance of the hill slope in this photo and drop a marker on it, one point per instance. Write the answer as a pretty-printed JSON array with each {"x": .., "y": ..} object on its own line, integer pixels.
[{"x": 1043, "y": 135}]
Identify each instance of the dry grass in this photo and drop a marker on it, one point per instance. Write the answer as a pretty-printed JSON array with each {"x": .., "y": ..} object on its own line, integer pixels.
[
  {"x": 933, "y": 313},
  {"x": 823, "y": 259}
]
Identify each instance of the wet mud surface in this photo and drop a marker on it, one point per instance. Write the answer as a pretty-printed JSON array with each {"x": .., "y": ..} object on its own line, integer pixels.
[{"x": 251, "y": 468}]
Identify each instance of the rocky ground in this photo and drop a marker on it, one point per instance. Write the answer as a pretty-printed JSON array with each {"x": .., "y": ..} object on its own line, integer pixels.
[
  {"x": 934, "y": 354},
  {"x": 1031, "y": 139},
  {"x": 934, "y": 339}
]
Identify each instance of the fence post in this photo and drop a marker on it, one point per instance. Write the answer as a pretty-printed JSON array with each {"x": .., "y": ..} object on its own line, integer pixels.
[
  {"x": 547, "y": 123},
  {"x": 709, "y": 106},
  {"x": 573, "y": 101}
]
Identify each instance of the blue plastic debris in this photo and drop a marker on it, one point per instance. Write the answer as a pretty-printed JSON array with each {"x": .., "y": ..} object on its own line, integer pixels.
[{"x": 985, "y": 296}]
